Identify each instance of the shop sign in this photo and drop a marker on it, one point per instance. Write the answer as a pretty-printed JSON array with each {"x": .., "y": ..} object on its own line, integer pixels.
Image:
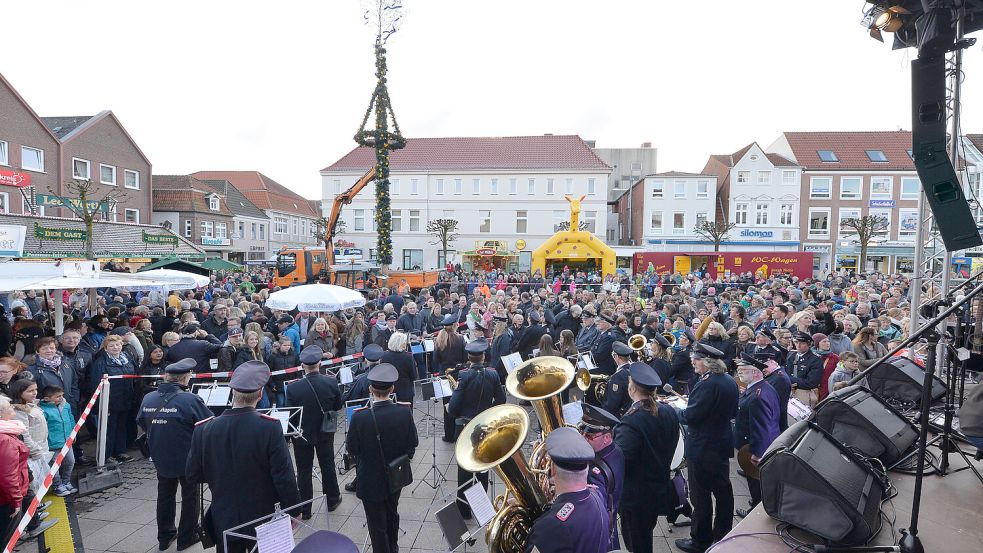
[
  {"x": 12, "y": 240},
  {"x": 748, "y": 233},
  {"x": 14, "y": 178},
  {"x": 49, "y": 200},
  {"x": 159, "y": 239},
  {"x": 344, "y": 244},
  {"x": 43, "y": 233},
  {"x": 816, "y": 248},
  {"x": 214, "y": 241},
  {"x": 520, "y": 244},
  {"x": 881, "y": 203},
  {"x": 485, "y": 252}
]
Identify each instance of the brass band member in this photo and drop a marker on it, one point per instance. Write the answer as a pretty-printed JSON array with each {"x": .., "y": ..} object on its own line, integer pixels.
[
  {"x": 478, "y": 389},
  {"x": 660, "y": 346},
  {"x": 616, "y": 400},
  {"x": 448, "y": 355},
  {"x": 682, "y": 365},
  {"x": 607, "y": 472}
]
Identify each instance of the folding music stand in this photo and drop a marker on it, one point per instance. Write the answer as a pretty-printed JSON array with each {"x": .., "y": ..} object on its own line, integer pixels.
[
  {"x": 289, "y": 418},
  {"x": 277, "y": 514}
]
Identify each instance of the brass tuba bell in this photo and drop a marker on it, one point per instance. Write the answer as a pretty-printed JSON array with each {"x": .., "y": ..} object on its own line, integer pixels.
[
  {"x": 493, "y": 440},
  {"x": 638, "y": 343}
]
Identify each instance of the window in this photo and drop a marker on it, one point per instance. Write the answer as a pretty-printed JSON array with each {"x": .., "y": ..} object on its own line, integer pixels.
[
  {"x": 359, "y": 220},
  {"x": 568, "y": 186},
  {"x": 702, "y": 189},
  {"x": 785, "y": 214},
  {"x": 262, "y": 231},
  {"x": 845, "y": 215},
  {"x": 850, "y": 188},
  {"x": 414, "y": 220},
  {"x": 131, "y": 216},
  {"x": 876, "y": 156},
  {"x": 679, "y": 223},
  {"x": 213, "y": 203},
  {"x": 476, "y": 186},
  {"x": 439, "y": 186},
  {"x": 907, "y": 223},
  {"x": 819, "y": 223},
  {"x": 397, "y": 220},
  {"x": 911, "y": 188},
  {"x": 764, "y": 177},
  {"x": 279, "y": 225},
  {"x": 187, "y": 228},
  {"x": 657, "y": 188},
  {"x": 880, "y": 187},
  {"x": 303, "y": 227},
  {"x": 636, "y": 167},
  {"x": 207, "y": 229},
  {"x": 131, "y": 179},
  {"x": 294, "y": 221},
  {"x": 221, "y": 231},
  {"x": 4, "y": 202},
  {"x": 521, "y": 221},
  {"x": 559, "y": 216},
  {"x": 4, "y": 157},
  {"x": 883, "y": 232},
  {"x": 414, "y": 186},
  {"x": 484, "y": 220},
  {"x": 743, "y": 177},
  {"x": 827, "y": 156},
  {"x": 513, "y": 185},
  {"x": 656, "y": 224},
  {"x": 412, "y": 259},
  {"x": 740, "y": 213},
  {"x": 494, "y": 186},
  {"x": 81, "y": 169},
  {"x": 532, "y": 186},
  {"x": 394, "y": 186},
  {"x": 550, "y": 186},
  {"x": 337, "y": 186},
  {"x": 442, "y": 259},
  {"x": 819, "y": 188},
  {"x": 32, "y": 159},
  {"x": 701, "y": 218},
  {"x": 253, "y": 230},
  {"x": 242, "y": 230},
  {"x": 679, "y": 189},
  {"x": 107, "y": 174},
  {"x": 590, "y": 218},
  {"x": 591, "y": 186},
  {"x": 761, "y": 213},
  {"x": 458, "y": 186},
  {"x": 788, "y": 177}
]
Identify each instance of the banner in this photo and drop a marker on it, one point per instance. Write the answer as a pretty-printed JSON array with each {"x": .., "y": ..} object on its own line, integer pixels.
[
  {"x": 169, "y": 239},
  {"x": 42, "y": 233},
  {"x": 49, "y": 200},
  {"x": 12, "y": 240},
  {"x": 14, "y": 178}
]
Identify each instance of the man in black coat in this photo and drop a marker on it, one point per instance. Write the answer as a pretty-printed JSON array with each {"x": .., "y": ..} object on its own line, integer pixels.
[
  {"x": 383, "y": 336},
  {"x": 601, "y": 350},
  {"x": 779, "y": 380},
  {"x": 217, "y": 323},
  {"x": 531, "y": 335},
  {"x": 195, "y": 344},
  {"x": 168, "y": 416},
  {"x": 378, "y": 434},
  {"x": 805, "y": 369},
  {"x": 243, "y": 458},
  {"x": 616, "y": 400},
  {"x": 321, "y": 399}
]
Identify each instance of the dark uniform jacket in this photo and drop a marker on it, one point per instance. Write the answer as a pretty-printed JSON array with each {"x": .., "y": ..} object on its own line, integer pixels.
[
  {"x": 805, "y": 370},
  {"x": 169, "y": 427},
  {"x": 382, "y": 338},
  {"x": 359, "y": 389},
  {"x": 199, "y": 350},
  {"x": 403, "y": 361},
  {"x": 712, "y": 405},
  {"x": 607, "y": 472},
  {"x": 586, "y": 337},
  {"x": 500, "y": 347},
  {"x": 648, "y": 442},
  {"x": 396, "y": 433},
  {"x": 782, "y": 384},
  {"x": 616, "y": 400},
  {"x": 757, "y": 418},
  {"x": 601, "y": 351},
  {"x": 530, "y": 340},
  {"x": 306, "y": 393},
  {"x": 478, "y": 388},
  {"x": 681, "y": 368},
  {"x": 576, "y": 523},
  {"x": 449, "y": 357},
  {"x": 662, "y": 368},
  {"x": 243, "y": 458}
]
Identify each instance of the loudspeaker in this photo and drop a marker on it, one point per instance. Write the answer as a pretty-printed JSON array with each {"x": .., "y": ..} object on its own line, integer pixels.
[
  {"x": 857, "y": 418},
  {"x": 928, "y": 146},
  {"x": 900, "y": 379},
  {"x": 811, "y": 481}
]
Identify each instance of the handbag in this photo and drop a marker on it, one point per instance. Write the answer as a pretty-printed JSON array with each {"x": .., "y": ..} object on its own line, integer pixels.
[
  {"x": 329, "y": 420},
  {"x": 398, "y": 471}
]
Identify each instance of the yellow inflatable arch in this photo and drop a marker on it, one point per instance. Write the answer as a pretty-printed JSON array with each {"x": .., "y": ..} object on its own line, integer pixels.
[{"x": 574, "y": 246}]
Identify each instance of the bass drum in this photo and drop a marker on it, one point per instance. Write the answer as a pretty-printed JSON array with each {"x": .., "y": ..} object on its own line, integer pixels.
[{"x": 678, "y": 462}]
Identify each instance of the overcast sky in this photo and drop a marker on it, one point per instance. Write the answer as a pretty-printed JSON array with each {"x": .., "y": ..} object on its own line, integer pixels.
[{"x": 281, "y": 87}]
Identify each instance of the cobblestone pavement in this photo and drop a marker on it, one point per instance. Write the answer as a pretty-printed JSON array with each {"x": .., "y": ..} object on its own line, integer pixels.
[{"x": 122, "y": 519}]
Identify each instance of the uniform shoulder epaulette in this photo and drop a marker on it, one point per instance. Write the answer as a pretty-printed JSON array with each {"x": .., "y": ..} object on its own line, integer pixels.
[
  {"x": 357, "y": 409},
  {"x": 267, "y": 417},
  {"x": 406, "y": 403},
  {"x": 203, "y": 421},
  {"x": 564, "y": 513}
]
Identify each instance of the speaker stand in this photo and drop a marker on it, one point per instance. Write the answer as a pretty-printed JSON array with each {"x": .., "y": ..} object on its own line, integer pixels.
[{"x": 910, "y": 542}]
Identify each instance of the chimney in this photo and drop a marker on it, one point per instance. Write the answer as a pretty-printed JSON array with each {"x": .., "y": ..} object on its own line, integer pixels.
[{"x": 646, "y": 144}]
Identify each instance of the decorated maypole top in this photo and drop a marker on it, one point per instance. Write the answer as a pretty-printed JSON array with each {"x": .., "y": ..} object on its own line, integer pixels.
[{"x": 385, "y": 15}]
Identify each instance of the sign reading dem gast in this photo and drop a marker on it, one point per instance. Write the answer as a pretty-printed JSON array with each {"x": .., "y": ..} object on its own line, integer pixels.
[{"x": 43, "y": 233}]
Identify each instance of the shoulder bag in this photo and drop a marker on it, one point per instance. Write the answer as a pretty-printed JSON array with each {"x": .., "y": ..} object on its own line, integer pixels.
[
  {"x": 398, "y": 471},
  {"x": 329, "y": 420}
]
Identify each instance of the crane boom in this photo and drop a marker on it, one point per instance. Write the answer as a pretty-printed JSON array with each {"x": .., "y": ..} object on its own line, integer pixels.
[{"x": 340, "y": 201}]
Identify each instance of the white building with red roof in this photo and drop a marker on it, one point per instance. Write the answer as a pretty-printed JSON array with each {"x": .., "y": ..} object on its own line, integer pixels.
[{"x": 507, "y": 193}]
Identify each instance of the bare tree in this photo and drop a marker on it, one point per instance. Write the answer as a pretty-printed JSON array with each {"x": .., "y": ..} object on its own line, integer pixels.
[
  {"x": 713, "y": 231},
  {"x": 323, "y": 234},
  {"x": 866, "y": 228},
  {"x": 565, "y": 225},
  {"x": 83, "y": 199},
  {"x": 444, "y": 233}
]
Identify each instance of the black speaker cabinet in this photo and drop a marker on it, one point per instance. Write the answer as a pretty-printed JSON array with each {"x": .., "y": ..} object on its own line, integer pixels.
[
  {"x": 809, "y": 480},
  {"x": 900, "y": 379},
  {"x": 858, "y": 418}
]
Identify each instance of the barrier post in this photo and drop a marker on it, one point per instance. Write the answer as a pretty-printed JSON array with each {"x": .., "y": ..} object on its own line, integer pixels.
[{"x": 103, "y": 422}]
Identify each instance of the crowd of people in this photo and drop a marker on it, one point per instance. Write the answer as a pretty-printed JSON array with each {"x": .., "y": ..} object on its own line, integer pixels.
[{"x": 780, "y": 337}]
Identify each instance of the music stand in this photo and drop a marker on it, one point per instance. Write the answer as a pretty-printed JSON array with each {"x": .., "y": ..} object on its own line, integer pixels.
[
  {"x": 433, "y": 392},
  {"x": 289, "y": 418},
  {"x": 277, "y": 514}
]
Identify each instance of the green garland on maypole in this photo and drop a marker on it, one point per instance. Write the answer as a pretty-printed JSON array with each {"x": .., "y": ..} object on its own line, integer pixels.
[{"x": 384, "y": 142}]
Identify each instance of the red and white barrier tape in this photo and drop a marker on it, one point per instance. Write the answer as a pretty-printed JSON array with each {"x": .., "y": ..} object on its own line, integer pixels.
[
  {"x": 227, "y": 374},
  {"x": 39, "y": 496}
]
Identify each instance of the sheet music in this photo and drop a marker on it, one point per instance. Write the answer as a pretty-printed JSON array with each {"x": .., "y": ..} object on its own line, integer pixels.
[
  {"x": 438, "y": 390},
  {"x": 511, "y": 361},
  {"x": 446, "y": 387},
  {"x": 217, "y": 396},
  {"x": 282, "y": 416},
  {"x": 798, "y": 410},
  {"x": 481, "y": 506},
  {"x": 345, "y": 375},
  {"x": 275, "y": 536},
  {"x": 428, "y": 345},
  {"x": 573, "y": 412},
  {"x": 586, "y": 362},
  {"x": 535, "y": 352},
  {"x": 213, "y": 363}
]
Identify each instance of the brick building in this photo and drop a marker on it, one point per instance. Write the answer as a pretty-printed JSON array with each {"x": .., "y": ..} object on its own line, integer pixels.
[{"x": 194, "y": 211}]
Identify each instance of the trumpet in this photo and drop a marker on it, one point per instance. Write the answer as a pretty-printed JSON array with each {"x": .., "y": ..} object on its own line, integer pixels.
[
  {"x": 586, "y": 381},
  {"x": 640, "y": 345}
]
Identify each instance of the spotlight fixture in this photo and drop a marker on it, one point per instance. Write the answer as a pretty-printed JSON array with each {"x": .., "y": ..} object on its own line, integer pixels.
[{"x": 880, "y": 19}]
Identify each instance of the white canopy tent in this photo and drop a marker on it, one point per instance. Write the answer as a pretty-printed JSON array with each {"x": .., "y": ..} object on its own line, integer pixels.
[
  {"x": 315, "y": 298},
  {"x": 176, "y": 280}
]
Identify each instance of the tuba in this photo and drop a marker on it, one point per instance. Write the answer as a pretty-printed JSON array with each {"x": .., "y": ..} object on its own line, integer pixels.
[
  {"x": 540, "y": 381},
  {"x": 493, "y": 440}
]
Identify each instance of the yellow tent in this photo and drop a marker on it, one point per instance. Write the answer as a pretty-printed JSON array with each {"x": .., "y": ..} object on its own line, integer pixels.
[{"x": 574, "y": 246}]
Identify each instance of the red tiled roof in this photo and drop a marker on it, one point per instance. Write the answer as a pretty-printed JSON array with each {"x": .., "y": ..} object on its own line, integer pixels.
[
  {"x": 507, "y": 152},
  {"x": 263, "y": 191},
  {"x": 780, "y": 161},
  {"x": 977, "y": 140},
  {"x": 184, "y": 193},
  {"x": 730, "y": 160},
  {"x": 850, "y": 148}
]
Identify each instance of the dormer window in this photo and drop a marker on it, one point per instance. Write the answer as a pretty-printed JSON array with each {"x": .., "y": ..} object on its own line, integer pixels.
[
  {"x": 213, "y": 203},
  {"x": 827, "y": 156},
  {"x": 876, "y": 156}
]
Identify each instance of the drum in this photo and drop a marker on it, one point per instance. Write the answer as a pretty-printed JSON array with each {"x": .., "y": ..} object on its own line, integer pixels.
[{"x": 678, "y": 462}]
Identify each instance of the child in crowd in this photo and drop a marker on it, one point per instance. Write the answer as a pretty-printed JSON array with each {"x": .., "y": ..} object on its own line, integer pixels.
[
  {"x": 58, "y": 414},
  {"x": 23, "y": 393},
  {"x": 846, "y": 370}
]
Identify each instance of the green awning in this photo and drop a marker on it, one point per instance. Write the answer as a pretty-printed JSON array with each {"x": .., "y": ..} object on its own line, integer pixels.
[
  {"x": 219, "y": 264},
  {"x": 176, "y": 264}
]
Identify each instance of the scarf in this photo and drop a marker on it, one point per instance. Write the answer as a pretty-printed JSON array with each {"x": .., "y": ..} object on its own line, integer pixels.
[
  {"x": 53, "y": 364},
  {"x": 121, "y": 360},
  {"x": 13, "y": 427}
]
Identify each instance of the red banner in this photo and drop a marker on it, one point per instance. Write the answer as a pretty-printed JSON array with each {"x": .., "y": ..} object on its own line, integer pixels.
[{"x": 14, "y": 178}]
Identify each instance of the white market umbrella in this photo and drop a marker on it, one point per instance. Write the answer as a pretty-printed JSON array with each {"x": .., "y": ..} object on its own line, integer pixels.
[
  {"x": 315, "y": 297},
  {"x": 176, "y": 280}
]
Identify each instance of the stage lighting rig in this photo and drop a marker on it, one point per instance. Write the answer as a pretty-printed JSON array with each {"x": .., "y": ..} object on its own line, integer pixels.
[{"x": 928, "y": 25}]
